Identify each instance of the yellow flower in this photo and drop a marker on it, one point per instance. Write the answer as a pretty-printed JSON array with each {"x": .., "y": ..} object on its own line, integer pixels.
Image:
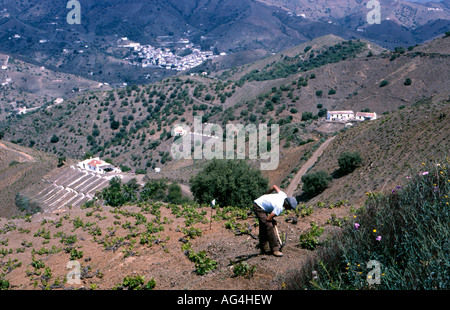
[
  {"x": 374, "y": 230},
  {"x": 354, "y": 216},
  {"x": 423, "y": 163}
]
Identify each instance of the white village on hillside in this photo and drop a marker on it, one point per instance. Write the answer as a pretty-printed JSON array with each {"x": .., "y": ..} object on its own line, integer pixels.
[{"x": 149, "y": 56}]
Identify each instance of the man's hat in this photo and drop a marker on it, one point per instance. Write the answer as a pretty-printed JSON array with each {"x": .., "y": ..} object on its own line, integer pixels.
[{"x": 292, "y": 202}]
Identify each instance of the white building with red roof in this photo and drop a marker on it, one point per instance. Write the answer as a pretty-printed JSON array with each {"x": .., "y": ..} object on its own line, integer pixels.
[
  {"x": 362, "y": 116},
  {"x": 97, "y": 165}
]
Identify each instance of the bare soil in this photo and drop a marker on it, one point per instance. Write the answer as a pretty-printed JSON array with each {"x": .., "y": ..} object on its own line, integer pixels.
[{"x": 164, "y": 260}]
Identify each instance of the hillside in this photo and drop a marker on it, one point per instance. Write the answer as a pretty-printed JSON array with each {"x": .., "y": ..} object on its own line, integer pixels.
[
  {"x": 20, "y": 167},
  {"x": 408, "y": 14},
  {"x": 248, "y": 30},
  {"x": 25, "y": 85},
  {"x": 391, "y": 148},
  {"x": 150, "y": 240},
  {"x": 132, "y": 126},
  {"x": 177, "y": 245}
]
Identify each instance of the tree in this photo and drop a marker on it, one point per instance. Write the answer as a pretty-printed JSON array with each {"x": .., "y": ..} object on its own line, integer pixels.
[
  {"x": 95, "y": 132},
  {"x": 384, "y": 83},
  {"x": 307, "y": 116},
  {"x": 348, "y": 161},
  {"x": 115, "y": 124},
  {"x": 230, "y": 182},
  {"x": 154, "y": 190},
  {"x": 175, "y": 196},
  {"x": 316, "y": 182},
  {"x": 322, "y": 112},
  {"x": 407, "y": 82},
  {"x": 54, "y": 139},
  {"x": 113, "y": 193},
  {"x": 118, "y": 194},
  {"x": 61, "y": 161},
  {"x": 2, "y": 134}
]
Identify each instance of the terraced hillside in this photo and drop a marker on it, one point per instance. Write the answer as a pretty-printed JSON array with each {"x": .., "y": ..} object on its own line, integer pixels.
[{"x": 68, "y": 186}]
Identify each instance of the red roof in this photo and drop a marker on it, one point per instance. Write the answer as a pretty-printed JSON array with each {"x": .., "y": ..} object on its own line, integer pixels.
[
  {"x": 366, "y": 114},
  {"x": 95, "y": 162}
]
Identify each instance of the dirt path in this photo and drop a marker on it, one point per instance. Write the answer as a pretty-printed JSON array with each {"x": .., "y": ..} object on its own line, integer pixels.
[
  {"x": 28, "y": 157},
  {"x": 309, "y": 163}
]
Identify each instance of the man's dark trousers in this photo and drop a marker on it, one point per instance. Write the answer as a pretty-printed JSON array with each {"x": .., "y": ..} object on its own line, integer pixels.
[{"x": 266, "y": 229}]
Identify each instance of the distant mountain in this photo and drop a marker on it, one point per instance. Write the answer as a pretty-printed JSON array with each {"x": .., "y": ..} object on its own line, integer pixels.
[{"x": 249, "y": 29}]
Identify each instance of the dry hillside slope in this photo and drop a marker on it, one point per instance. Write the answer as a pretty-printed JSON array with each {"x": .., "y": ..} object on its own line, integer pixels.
[{"x": 391, "y": 147}]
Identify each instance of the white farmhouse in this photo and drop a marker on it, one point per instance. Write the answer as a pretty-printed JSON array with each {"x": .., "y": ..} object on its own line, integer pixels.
[
  {"x": 179, "y": 131},
  {"x": 340, "y": 115},
  {"x": 362, "y": 116},
  {"x": 97, "y": 165}
]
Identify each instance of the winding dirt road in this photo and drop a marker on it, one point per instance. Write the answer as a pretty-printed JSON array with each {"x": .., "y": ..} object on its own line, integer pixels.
[
  {"x": 309, "y": 163},
  {"x": 28, "y": 157}
]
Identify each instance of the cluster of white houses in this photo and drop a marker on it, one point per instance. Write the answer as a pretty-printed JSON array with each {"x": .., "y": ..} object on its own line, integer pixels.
[
  {"x": 342, "y": 116},
  {"x": 149, "y": 56}
]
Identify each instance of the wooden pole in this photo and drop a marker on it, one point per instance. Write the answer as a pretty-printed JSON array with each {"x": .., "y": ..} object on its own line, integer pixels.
[{"x": 210, "y": 220}]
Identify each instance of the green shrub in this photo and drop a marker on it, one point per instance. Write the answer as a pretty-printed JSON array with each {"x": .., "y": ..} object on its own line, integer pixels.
[
  {"x": 4, "y": 284},
  {"x": 242, "y": 269},
  {"x": 310, "y": 239},
  {"x": 384, "y": 83},
  {"x": 316, "y": 182},
  {"x": 307, "y": 116},
  {"x": 135, "y": 283},
  {"x": 203, "y": 264},
  {"x": 24, "y": 204},
  {"x": 348, "y": 161},
  {"x": 230, "y": 182},
  {"x": 54, "y": 139}
]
